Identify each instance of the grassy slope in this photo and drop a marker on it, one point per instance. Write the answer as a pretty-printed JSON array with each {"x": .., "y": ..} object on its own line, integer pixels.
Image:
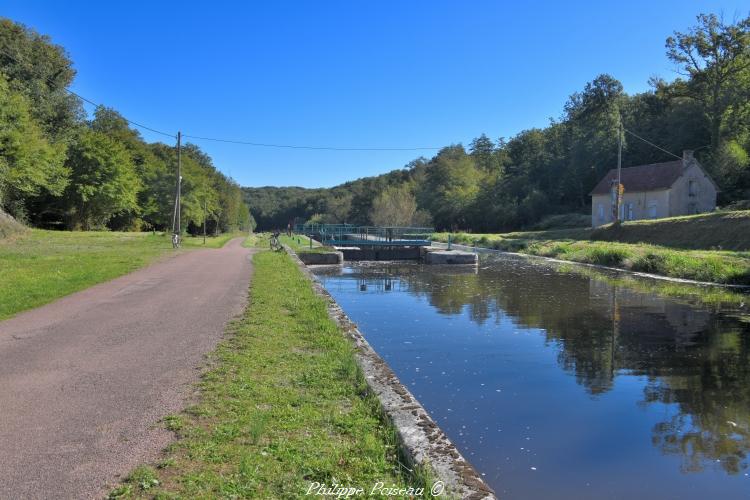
[
  {"x": 284, "y": 405},
  {"x": 37, "y": 267},
  {"x": 681, "y": 247},
  {"x": 718, "y": 230}
]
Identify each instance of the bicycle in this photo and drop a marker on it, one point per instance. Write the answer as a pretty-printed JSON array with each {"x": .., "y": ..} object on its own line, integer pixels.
[{"x": 275, "y": 243}]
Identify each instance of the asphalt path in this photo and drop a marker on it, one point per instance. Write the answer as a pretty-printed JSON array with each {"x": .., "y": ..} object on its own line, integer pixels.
[{"x": 85, "y": 380}]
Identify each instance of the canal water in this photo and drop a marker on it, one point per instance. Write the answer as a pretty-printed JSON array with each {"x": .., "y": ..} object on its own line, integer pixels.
[{"x": 560, "y": 382}]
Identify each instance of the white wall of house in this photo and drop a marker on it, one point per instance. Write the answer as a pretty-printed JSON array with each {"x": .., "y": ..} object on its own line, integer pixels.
[
  {"x": 693, "y": 193},
  {"x": 635, "y": 206}
]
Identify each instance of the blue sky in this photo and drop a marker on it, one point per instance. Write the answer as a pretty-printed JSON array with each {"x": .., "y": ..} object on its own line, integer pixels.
[{"x": 352, "y": 74}]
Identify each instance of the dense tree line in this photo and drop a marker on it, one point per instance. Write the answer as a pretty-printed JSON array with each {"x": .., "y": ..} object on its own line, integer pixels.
[
  {"x": 60, "y": 169},
  {"x": 515, "y": 183}
]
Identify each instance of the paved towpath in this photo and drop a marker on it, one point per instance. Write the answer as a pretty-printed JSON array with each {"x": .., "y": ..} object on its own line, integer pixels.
[{"x": 85, "y": 380}]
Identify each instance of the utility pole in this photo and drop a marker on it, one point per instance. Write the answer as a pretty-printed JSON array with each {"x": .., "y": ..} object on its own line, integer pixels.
[
  {"x": 179, "y": 181},
  {"x": 176, "y": 214},
  {"x": 205, "y": 215},
  {"x": 618, "y": 192}
]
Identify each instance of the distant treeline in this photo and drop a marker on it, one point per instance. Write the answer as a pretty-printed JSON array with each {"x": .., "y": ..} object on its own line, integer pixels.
[
  {"x": 508, "y": 184},
  {"x": 59, "y": 169}
]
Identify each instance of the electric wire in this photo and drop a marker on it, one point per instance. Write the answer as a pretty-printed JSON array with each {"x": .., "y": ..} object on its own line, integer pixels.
[
  {"x": 290, "y": 146},
  {"x": 281, "y": 146},
  {"x": 89, "y": 101},
  {"x": 651, "y": 143},
  {"x": 213, "y": 139}
]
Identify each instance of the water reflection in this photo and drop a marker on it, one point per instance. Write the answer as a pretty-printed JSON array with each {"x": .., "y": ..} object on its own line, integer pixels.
[{"x": 682, "y": 363}]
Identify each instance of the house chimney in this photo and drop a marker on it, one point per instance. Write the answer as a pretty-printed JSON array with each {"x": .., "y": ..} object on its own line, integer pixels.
[{"x": 687, "y": 157}]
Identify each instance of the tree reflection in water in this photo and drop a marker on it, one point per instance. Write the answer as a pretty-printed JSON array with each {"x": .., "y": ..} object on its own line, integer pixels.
[{"x": 693, "y": 347}]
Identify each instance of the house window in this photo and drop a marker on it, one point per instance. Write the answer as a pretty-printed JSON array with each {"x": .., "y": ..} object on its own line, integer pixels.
[
  {"x": 652, "y": 207},
  {"x": 692, "y": 188},
  {"x": 601, "y": 212}
]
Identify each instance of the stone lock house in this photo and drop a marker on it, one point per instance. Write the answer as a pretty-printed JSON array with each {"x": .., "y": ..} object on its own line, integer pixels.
[{"x": 653, "y": 191}]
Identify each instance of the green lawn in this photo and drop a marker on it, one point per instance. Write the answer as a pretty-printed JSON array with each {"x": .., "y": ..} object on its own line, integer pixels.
[
  {"x": 283, "y": 406},
  {"x": 37, "y": 267}
]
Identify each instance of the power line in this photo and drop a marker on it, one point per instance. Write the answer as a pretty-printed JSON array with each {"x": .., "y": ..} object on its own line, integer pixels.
[
  {"x": 213, "y": 139},
  {"x": 84, "y": 99},
  {"x": 289, "y": 146},
  {"x": 282, "y": 146},
  {"x": 652, "y": 144}
]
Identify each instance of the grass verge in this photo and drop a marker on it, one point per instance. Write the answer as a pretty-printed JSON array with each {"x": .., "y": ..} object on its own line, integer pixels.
[
  {"x": 37, "y": 267},
  {"x": 300, "y": 243},
  {"x": 284, "y": 405},
  {"x": 715, "y": 266}
]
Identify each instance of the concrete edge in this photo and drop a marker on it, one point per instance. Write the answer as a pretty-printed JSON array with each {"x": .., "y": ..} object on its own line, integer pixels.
[
  {"x": 422, "y": 440},
  {"x": 321, "y": 258}
]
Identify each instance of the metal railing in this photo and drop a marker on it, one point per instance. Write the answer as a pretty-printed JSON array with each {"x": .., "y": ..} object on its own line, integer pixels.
[{"x": 351, "y": 235}]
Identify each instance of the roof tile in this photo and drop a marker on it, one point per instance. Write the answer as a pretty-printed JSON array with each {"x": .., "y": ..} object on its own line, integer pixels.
[{"x": 651, "y": 177}]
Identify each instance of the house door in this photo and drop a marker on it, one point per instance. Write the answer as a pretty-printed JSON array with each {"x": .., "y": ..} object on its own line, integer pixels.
[{"x": 652, "y": 210}]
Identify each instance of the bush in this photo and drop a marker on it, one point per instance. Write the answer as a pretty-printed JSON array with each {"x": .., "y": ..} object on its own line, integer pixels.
[
  {"x": 649, "y": 263},
  {"x": 606, "y": 256}
]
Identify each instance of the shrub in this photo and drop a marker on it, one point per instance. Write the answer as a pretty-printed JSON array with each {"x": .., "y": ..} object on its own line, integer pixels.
[
  {"x": 650, "y": 262},
  {"x": 606, "y": 256}
]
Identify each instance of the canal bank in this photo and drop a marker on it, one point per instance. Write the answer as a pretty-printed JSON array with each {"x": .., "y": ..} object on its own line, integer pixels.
[{"x": 423, "y": 442}]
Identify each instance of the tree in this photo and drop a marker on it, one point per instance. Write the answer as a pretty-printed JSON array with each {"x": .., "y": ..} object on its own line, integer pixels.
[
  {"x": 394, "y": 206},
  {"x": 482, "y": 149},
  {"x": 716, "y": 59},
  {"x": 592, "y": 122},
  {"x": 103, "y": 180},
  {"x": 29, "y": 164},
  {"x": 41, "y": 71},
  {"x": 450, "y": 187},
  {"x": 338, "y": 208}
]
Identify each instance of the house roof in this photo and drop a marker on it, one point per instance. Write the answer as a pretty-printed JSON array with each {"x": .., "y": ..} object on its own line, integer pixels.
[{"x": 651, "y": 177}]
